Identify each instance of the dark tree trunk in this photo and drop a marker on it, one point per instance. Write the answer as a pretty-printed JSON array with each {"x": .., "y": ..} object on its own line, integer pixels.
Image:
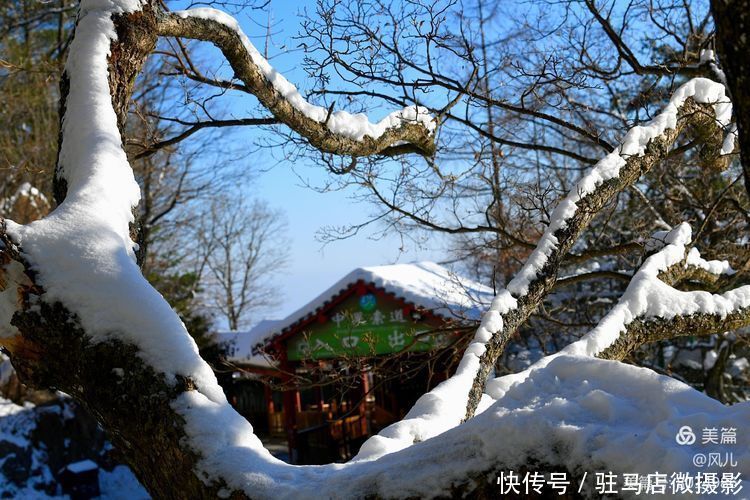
[
  {"x": 129, "y": 399},
  {"x": 732, "y": 18}
]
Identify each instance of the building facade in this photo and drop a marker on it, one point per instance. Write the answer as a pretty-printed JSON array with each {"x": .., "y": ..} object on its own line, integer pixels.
[{"x": 354, "y": 359}]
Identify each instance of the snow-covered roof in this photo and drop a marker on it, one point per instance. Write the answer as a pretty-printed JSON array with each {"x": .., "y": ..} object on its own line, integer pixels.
[
  {"x": 241, "y": 343},
  {"x": 426, "y": 285},
  {"x": 82, "y": 466}
]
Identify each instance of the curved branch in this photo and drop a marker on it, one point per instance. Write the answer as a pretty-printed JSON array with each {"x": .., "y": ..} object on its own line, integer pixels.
[
  {"x": 702, "y": 105},
  {"x": 644, "y": 331},
  {"x": 131, "y": 361},
  {"x": 411, "y": 129},
  {"x": 627, "y": 54},
  {"x": 592, "y": 275},
  {"x": 520, "y": 144},
  {"x": 422, "y": 221},
  {"x": 620, "y": 249},
  {"x": 639, "y": 316}
]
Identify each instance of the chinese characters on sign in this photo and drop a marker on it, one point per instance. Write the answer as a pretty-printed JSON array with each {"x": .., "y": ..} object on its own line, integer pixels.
[{"x": 363, "y": 326}]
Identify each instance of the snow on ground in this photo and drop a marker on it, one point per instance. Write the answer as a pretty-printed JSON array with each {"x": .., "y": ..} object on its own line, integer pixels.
[
  {"x": 120, "y": 484},
  {"x": 24, "y": 461},
  {"x": 646, "y": 297},
  {"x": 8, "y": 407},
  {"x": 582, "y": 414},
  {"x": 438, "y": 410},
  {"x": 117, "y": 484},
  {"x": 568, "y": 410}
]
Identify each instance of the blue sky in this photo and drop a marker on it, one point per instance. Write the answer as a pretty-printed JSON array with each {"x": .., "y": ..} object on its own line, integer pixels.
[{"x": 312, "y": 266}]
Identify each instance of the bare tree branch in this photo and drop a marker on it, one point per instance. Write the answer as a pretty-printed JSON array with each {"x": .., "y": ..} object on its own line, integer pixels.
[
  {"x": 150, "y": 149},
  {"x": 543, "y": 279},
  {"x": 231, "y": 44}
]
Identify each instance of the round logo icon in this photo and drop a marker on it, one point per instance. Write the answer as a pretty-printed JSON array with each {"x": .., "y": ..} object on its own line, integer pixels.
[
  {"x": 367, "y": 302},
  {"x": 685, "y": 436}
]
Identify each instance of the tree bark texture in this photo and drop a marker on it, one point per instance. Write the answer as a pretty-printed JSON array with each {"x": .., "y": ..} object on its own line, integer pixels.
[
  {"x": 695, "y": 118},
  {"x": 413, "y": 136},
  {"x": 732, "y": 19}
]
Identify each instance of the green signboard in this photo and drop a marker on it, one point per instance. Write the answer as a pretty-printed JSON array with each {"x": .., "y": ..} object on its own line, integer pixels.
[{"x": 363, "y": 326}]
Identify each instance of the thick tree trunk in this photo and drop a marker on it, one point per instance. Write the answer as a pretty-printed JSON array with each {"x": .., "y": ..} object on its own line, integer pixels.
[
  {"x": 51, "y": 350},
  {"x": 732, "y": 18},
  {"x": 129, "y": 399}
]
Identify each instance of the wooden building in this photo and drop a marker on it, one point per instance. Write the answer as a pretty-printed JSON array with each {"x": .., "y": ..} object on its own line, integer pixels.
[{"x": 326, "y": 395}]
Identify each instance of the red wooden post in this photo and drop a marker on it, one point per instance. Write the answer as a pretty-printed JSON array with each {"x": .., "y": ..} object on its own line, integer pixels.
[
  {"x": 268, "y": 396},
  {"x": 321, "y": 402},
  {"x": 289, "y": 403},
  {"x": 363, "y": 422}
]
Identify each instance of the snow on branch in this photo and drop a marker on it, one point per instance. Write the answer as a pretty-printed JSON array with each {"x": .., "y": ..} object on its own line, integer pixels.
[
  {"x": 652, "y": 309},
  {"x": 698, "y": 105},
  {"x": 339, "y": 132},
  {"x": 82, "y": 254}
]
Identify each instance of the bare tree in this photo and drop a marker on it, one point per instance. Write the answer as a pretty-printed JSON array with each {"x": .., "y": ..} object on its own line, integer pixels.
[
  {"x": 530, "y": 95},
  {"x": 245, "y": 249},
  {"x": 70, "y": 284},
  {"x": 33, "y": 37}
]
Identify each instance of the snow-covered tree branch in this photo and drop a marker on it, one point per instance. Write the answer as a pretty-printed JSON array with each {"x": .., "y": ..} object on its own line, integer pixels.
[
  {"x": 698, "y": 105},
  {"x": 333, "y": 131},
  {"x": 651, "y": 309}
]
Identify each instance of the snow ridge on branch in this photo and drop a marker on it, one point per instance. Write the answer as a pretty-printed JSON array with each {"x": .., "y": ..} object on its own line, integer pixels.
[
  {"x": 82, "y": 253},
  {"x": 699, "y": 101},
  {"x": 339, "y": 132},
  {"x": 652, "y": 309}
]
